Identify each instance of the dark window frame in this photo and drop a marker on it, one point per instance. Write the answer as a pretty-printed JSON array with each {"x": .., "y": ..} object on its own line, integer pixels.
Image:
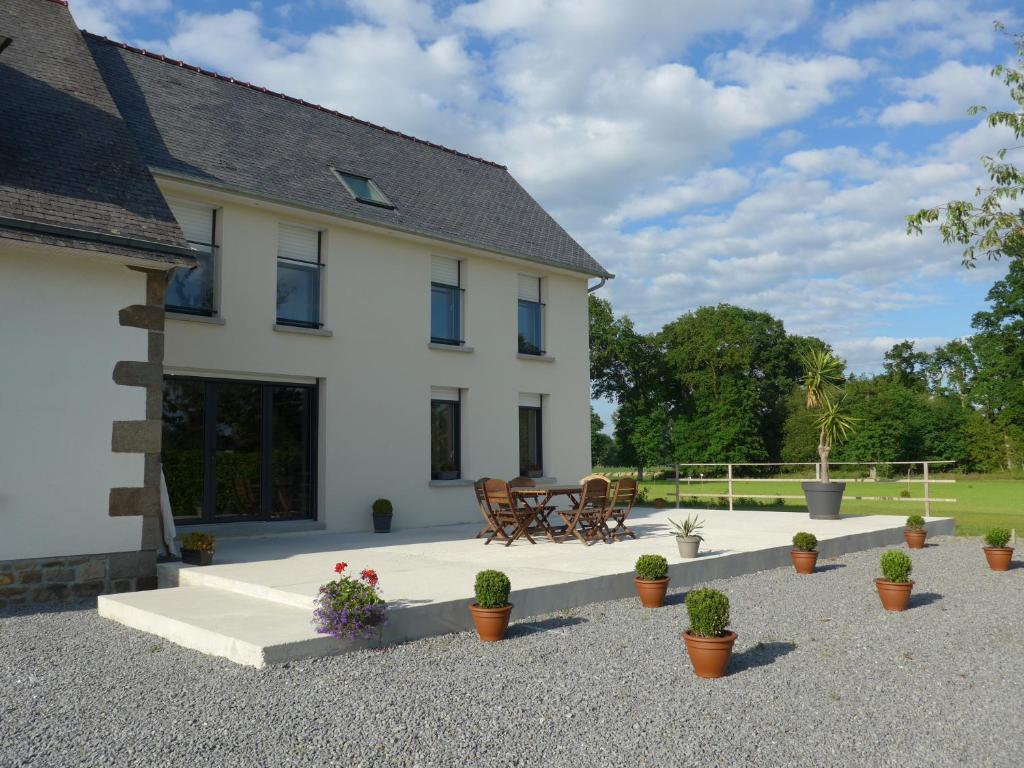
[
  {"x": 385, "y": 202},
  {"x": 459, "y": 293},
  {"x": 457, "y": 430},
  {"x": 319, "y": 264},
  {"x": 526, "y": 471},
  {"x": 525, "y": 346},
  {"x": 214, "y": 251},
  {"x": 209, "y": 451}
]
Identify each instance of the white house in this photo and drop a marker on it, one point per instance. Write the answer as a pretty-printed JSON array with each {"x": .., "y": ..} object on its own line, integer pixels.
[{"x": 371, "y": 315}]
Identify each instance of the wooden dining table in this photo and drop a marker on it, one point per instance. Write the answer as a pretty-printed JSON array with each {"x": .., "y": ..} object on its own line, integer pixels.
[{"x": 538, "y": 498}]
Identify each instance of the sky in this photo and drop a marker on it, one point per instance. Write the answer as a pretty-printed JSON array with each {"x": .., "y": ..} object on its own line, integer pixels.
[{"x": 763, "y": 154}]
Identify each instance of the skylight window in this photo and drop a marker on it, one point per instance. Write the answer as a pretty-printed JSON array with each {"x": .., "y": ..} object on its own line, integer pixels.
[{"x": 363, "y": 189}]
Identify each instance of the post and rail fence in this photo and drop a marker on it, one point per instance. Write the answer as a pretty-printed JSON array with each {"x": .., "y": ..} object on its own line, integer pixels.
[{"x": 731, "y": 480}]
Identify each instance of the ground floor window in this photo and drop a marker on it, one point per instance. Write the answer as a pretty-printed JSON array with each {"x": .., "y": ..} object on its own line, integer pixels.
[
  {"x": 239, "y": 450},
  {"x": 531, "y": 458},
  {"x": 445, "y": 434}
]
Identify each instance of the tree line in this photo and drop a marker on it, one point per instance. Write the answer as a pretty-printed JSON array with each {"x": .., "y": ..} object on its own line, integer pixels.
[{"x": 721, "y": 384}]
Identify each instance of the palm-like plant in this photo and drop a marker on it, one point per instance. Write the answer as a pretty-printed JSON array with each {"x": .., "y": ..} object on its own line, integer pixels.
[{"x": 823, "y": 383}]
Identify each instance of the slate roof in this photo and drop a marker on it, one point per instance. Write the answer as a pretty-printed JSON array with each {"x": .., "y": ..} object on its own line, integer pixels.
[
  {"x": 194, "y": 123},
  {"x": 70, "y": 173}
]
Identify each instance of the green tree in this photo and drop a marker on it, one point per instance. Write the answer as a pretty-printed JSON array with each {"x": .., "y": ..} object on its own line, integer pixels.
[
  {"x": 600, "y": 444},
  {"x": 905, "y": 366}
]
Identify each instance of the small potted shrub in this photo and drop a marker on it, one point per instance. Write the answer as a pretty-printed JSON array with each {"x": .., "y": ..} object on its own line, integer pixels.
[
  {"x": 197, "y": 548},
  {"x": 997, "y": 553},
  {"x": 708, "y": 642},
  {"x": 687, "y": 537},
  {"x": 659, "y": 503},
  {"x": 382, "y": 514},
  {"x": 491, "y": 610},
  {"x": 803, "y": 553},
  {"x": 447, "y": 471},
  {"x": 651, "y": 580},
  {"x": 914, "y": 533},
  {"x": 349, "y": 608},
  {"x": 895, "y": 585}
]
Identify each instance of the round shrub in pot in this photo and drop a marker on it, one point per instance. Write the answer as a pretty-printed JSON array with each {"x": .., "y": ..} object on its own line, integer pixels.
[
  {"x": 492, "y": 609},
  {"x": 914, "y": 532},
  {"x": 997, "y": 553},
  {"x": 197, "y": 548},
  {"x": 382, "y": 514},
  {"x": 804, "y": 553},
  {"x": 708, "y": 641},
  {"x": 651, "y": 580},
  {"x": 895, "y": 585}
]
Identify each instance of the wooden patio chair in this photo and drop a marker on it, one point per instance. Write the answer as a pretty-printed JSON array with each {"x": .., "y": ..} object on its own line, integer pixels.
[
  {"x": 511, "y": 519},
  {"x": 621, "y": 505},
  {"x": 481, "y": 501},
  {"x": 589, "y": 520}
]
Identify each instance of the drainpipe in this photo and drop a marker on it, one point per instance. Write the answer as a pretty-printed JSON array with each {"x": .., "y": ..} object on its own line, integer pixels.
[{"x": 598, "y": 286}]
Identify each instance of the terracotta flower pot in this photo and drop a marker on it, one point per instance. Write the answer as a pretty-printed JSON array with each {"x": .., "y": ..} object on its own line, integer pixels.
[
  {"x": 491, "y": 623},
  {"x": 914, "y": 537},
  {"x": 804, "y": 562},
  {"x": 895, "y": 595},
  {"x": 998, "y": 557},
  {"x": 709, "y": 655},
  {"x": 652, "y": 593}
]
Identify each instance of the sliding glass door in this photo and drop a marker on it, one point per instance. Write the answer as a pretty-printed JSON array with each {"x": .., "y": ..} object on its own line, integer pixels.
[{"x": 239, "y": 450}]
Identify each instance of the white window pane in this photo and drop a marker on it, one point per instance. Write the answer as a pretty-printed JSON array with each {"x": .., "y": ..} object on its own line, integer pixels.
[
  {"x": 299, "y": 243},
  {"x": 529, "y": 400},
  {"x": 529, "y": 288},
  {"x": 444, "y": 393},
  {"x": 196, "y": 222},
  {"x": 444, "y": 271}
]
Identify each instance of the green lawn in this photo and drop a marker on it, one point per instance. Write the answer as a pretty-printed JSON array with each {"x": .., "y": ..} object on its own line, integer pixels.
[{"x": 981, "y": 501}]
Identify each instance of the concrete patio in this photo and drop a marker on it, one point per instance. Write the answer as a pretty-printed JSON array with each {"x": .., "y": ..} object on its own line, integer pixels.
[{"x": 253, "y": 606}]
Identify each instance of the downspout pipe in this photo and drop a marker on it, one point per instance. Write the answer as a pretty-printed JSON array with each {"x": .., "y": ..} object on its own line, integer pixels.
[{"x": 599, "y": 286}]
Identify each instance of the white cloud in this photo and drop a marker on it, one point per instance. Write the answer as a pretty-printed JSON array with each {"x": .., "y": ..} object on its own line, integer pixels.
[
  {"x": 944, "y": 94},
  {"x": 705, "y": 188},
  {"x": 864, "y": 355},
  {"x": 112, "y": 17}
]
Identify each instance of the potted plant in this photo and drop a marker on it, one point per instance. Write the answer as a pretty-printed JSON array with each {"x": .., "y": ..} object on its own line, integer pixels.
[
  {"x": 447, "y": 471},
  {"x": 659, "y": 503},
  {"x": 348, "y": 608},
  {"x": 997, "y": 553},
  {"x": 687, "y": 538},
  {"x": 803, "y": 554},
  {"x": 197, "y": 548},
  {"x": 895, "y": 585},
  {"x": 914, "y": 533},
  {"x": 823, "y": 384},
  {"x": 491, "y": 610},
  {"x": 651, "y": 580},
  {"x": 382, "y": 514},
  {"x": 708, "y": 642}
]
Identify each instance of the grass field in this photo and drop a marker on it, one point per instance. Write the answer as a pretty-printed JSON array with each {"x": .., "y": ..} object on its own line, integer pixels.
[{"x": 982, "y": 501}]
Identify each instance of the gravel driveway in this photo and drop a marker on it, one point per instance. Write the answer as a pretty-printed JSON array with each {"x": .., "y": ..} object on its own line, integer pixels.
[{"x": 821, "y": 676}]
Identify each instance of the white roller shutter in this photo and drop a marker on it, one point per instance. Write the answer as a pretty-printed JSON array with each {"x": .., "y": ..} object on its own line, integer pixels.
[
  {"x": 444, "y": 271},
  {"x": 528, "y": 400},
  {"x": 298, "y": 243},
  {"x": 444, "y": 393},
  {"x": 529, "y": 288},
  {"x": 196, "y": 222}
]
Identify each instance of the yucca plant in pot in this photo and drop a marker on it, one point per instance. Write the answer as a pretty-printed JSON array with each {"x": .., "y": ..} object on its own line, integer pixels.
[
  {"x": 997, "y": 553},
  {"x": 895, "y": 585},
  {"x": 383, "y": 511},
  {"x": 651, "y": 580},
  {"x": 687, "y": 537},
  {"x": 823, "y": 385},
  {"x": 197, "y": 548},
  {"x": 804, "y": 553},
  {"x": 708, "y": 641},
  {"x": 492, "y": 609},
  {"x": 914, "y": 532}
]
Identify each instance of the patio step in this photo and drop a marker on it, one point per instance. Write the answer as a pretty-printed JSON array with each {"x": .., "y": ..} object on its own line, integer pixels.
[{"x": 246, "y": 630}]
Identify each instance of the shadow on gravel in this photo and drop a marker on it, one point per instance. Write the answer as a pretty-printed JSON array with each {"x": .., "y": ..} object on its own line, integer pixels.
[
  {"x": 829, "y": 567},
  {"x": 546, "y": 625},
  {"x": 760, "y": 655},
  {"x": 920, "y": 599},
  {"x": 677, "y": 598}
]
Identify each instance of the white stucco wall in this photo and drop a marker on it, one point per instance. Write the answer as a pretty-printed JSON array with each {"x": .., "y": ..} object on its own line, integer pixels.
[
  {"x": 59, "y": 341},
  {"x": 376, "y": 372}
]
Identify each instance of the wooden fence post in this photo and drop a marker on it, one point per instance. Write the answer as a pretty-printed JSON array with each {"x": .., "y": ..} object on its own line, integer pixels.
[
  {"x": 927, "y": 503},
  {"x": 729, "y": 475},
  {"x": 677, "y": 485}
]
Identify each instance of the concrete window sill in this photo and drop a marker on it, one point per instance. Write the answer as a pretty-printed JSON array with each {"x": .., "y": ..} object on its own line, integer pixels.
[
  {"x": 326, "y": 332},
  {"x": 537, "y": 358},
  {"x": 450, "y": 347},
  {"x": 214, "y": 320},
  {"x": 451, "y": 483}
]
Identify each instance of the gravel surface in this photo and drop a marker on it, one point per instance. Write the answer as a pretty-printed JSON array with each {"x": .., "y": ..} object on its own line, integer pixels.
[{"x": 821, "y": 675}]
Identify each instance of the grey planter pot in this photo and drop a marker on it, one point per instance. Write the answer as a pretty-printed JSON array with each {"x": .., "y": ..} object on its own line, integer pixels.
[
  {"x": 196, "y": 557},
  {"x": 823, "y": 499},
  {"x": 381, "y": 523},
  {"x": 688, "y": 546}
]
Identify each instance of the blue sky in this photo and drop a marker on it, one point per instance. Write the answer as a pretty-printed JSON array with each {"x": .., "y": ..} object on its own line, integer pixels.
[{"x": 762, "y": 154}]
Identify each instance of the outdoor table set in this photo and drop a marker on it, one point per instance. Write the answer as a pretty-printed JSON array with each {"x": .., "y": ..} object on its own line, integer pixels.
[{"x": 597, "y": 509}]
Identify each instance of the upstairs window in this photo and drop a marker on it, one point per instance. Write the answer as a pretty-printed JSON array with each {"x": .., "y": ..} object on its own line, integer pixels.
[
  {"x": 299, "y": 265},
  {"x": 445, "y": 301},
  {"x": 445, "y": 434},
  {"x": 531, "y": 316},
  {"x": 531, "y": 455},
  {"x": 363, "y": 189},
  {"x": 191, "y": 291}
]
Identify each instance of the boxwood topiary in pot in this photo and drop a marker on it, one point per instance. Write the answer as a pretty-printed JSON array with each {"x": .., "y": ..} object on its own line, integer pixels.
[
  {"x": 651, "y": 580},
  {"x": 914, "y": 533},
  {"x": 708, "y": 641},
  {"x": 804, "y": 555},
  {"x": 382, "y": 514},
  {"x": 197, "y": 548},
  {"x": 895, "y": 585},
  {"x": 997, "y": 553},
  {"x": 492, "y": 609}
]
